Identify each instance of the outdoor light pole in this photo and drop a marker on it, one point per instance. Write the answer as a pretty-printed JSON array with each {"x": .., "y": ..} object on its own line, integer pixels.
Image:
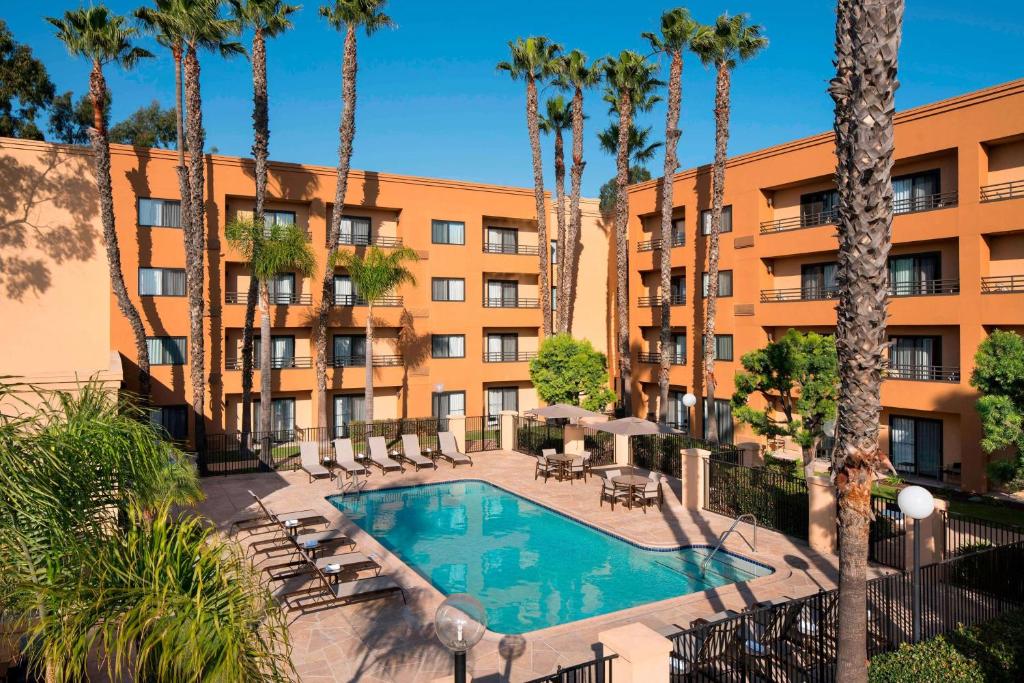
[
  {"x": 689, "y": 400},
  {"x": 917, "y": 503},
  {"x": 460, "y": 623}
]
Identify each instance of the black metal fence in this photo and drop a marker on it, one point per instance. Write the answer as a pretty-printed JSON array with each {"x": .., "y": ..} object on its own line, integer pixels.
[
  {"x": 661, "y": 452},
  {"x": 778, "y": 499},
  {"x": 601, "y": 446},
  {"x": 483, "y": 434},
  {"x": 596, "y": 671},
  {"x": 966, "y": 534},
  {"x": 887, "y": 538},
  {"x": 533, "y": 435},
  {"x": 796, "y": 640}
]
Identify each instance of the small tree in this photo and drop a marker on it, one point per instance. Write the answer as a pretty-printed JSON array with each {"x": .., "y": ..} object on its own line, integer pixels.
[
  {"x": 999, "y": 376},
  {"x": 571, "y": 371},
  {"x": 798, "y": 376}
]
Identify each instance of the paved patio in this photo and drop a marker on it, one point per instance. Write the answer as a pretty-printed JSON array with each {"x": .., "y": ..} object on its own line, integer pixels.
[{"x": 384, "y": 640}]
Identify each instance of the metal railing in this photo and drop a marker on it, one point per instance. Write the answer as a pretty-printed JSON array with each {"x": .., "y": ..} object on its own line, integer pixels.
[
  {"x": 950, "y": 285},
  {"x": 514, "y": 249},
  {"x": 276, "y": 298},
  {"x": 508, "y": 356},
  {"x": 922, "y": 373},
  {"x": 661, "y": 452},
  {"x": 601, "y": 446},
  {"x": 804, "y": 220},
  {"x": 928, "y": 202},
  {"x": 595, "y": 671},
  {"x": 379, "y": 361},
  {"x": 655, "y": 301},
  {"x": 771, "y": 296},
  {"x": 533, "y": 435},
  {"x": 751, "y": 519},
  {"x": 353, "y": 300},
  {"x": 366, "y": 240},
  {"x": 896, "y": 289},
  {"x": 939, "y": 200},
  {"x": 275, "y": 363},
  {"x": 678, "y": 240},
  {"x": 654, "y": 358},
  {"x": 964, "y": 533},
  {"x": 518, "y": 302},
  {"x": 483, "y": 433},
  {"x": 887, "y": 536},
  {"x": 776, "y": 497},
  {"x": 1002, "y": 284},
  {"x": 998, "y": 191}
]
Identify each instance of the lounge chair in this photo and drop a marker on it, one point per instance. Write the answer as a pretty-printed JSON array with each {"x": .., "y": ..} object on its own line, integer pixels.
[
  {"x": 331, "y": 539},
  {"x": 345, "y": 460},
  {"x": 310, "y": 454},
  {"x": 264, "y": 517},
  {"x": 347, "y": 563},
  {"x": 707, "y": 653},
  {"x": 543, "y": 468},
  {"x": 379, "y": 456},
  {"x": 413, "y": 454},
  {"x": 763, "y": 646},
  {"x": 610, "y": 491},
  {"x": 449, "y": 450},
  {"x": 328, "y": 593}
]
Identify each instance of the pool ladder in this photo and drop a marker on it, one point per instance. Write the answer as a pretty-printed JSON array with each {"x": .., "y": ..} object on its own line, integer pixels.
[{"x": 721, "y": 539}]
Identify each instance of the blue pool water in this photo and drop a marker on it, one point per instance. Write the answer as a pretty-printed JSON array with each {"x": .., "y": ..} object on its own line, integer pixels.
[{"x": 531, "y": 567}]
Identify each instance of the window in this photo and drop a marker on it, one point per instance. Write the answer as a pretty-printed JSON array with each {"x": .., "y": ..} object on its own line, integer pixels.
[
  {"x": 677, "y": 289},
  {"x": 282, "y": 351},
  {"x": 724, "y": 283},
  {"x": 354, "y": 230},
  {"x": 166, "y": 350},
  {"x": 554, "y": 298},
  {"x": 448, "y": 232},
  {"x": 160, "y": 213},
  {"x": 171, "y": 419},
  {"x": 723, "y": 413},
  {"x": 282, "y": 288},
  {"x": 818, "y": 281},
  {"x": 348, "y": 408},
  {"x": 448, "y": 345},
  {"x": 678, "y": 349},
  {"x": 161, "y": 282},
  {"x": 819, "y": 208},
  {"x": 913, "y": 357},
  {"x": 705, "y": 220},
  {"x": 678, "y": 413},
  {"x": 502, "y": 348},
  {"x": 915, "y": 274},
  {"x": 723, "y": 347},
  {"x": 502, "y": 294},
  {"x": 915, "y": 192},
  {"x": 554, "y": 251},
  {"x": 915, "y": 445},
  {"x": 349, "y": 350},
  {"x": 499, "y": 399},
  {"x": 502, "y": 241},
  {"x": 282, "y": 418},
  {"x": 271, "y": 217},
  {"x": 448, "y": 289},
  {"x": 448, "y": 403},
  {"x": 345, "y": 292},
  {"x": 678, "y": 232}
]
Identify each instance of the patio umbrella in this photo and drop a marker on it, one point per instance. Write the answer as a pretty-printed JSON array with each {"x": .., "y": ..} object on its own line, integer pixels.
[
  {"x": 634, "y": 426},
  {"x": 562, "y": 411}
]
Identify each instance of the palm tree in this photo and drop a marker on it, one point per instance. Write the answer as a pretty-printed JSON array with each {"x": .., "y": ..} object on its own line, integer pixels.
[
  {"x": 573, "y": 72},
  {"x": 268, "y": 19},
  {"x": 104, "y": 38},
  {"x": 375, "y": 275},
  {"x": 729, "y": 41},
  {"x": 556, "y": 120},
  {"x": 867, "y": 42},
  {"x": 677, "y": 30},
  {"x": 269, "y": 250},
  {"x": 630, "y": 79},
  {"x": 346, "y": 16},
  {"x": 534, "y": 59}
]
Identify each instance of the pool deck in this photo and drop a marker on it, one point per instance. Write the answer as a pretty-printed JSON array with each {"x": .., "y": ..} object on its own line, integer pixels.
[{"x": 384, "y": 640}]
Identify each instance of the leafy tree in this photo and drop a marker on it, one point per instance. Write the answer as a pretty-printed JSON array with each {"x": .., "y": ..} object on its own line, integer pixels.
[
  {"x": 148, "y": 126},
  {"x": 70, "y": 119},
  {"x": 999, "y": 376},
  {"x": 25, "y": 88},
  {"x": 568, "y": 370},
  {"x": 608, "y": 192},
  {"x": 798, "y": 376}
]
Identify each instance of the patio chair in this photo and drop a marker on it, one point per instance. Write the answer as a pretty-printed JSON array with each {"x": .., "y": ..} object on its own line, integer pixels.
[
  {"x": 548, "y": 452},
  {"x": 587, "y": 467},
  {"x": 310, "y": 454},
  {"x": 265, "y": 518},
  {"x": 413, "y": 454},
  {"x": 449, "y": 450},
  {"x": 347, "y": 563},
  {"x": 345, "y": 460},
  {"x": 379, "y": 456},
  {"x": 707, "y": 651},
  {"x": 610, "y": 491},
  {"x": 576, "y": 469},
  {"x": 328, "y": 593},
  {"x": 650, "y": 494},
  {"x": 543, "y": 468}
]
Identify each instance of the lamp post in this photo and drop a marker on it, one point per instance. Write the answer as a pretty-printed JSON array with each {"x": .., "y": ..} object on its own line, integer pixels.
[
  {"x": 460, "y": 623},
  {"x": 689, "y": 400},
  {"x": 917, "y": 503}
]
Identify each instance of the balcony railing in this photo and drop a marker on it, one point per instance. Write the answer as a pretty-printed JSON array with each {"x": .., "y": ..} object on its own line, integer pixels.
[
  {"x": 1000, "y": 191},
  {"x": 922, "y": 373},
  {"x": 897, "y": 289},
  {"x": 654, "y": 358},
  {"x": 655, "y": 301},
  {"x": 928, "y": 202},
  {"x": 360, "y": 361},
  {"x": 804, "y": 220},
  {"x": 939, "y": 200},
  {"x": 275, "y": 363},
  {"x": 1002, "y": 284},
  {"x": 365, "y": 240},
  {"x": 925, "y": 287},
  {"x": 520, "y": 249},
  {"x": 678, "y": 240},
  {"x": 276, "y": 298},
  {"x": 353, "y": 300},
  {"x": 518, "y": 302},
  {"x": 508, "y": 356},
  {"x": 770, "y": 296}
]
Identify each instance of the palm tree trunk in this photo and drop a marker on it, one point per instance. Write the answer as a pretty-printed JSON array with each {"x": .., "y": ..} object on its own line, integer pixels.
[
  {"x": 346, "y": 133},
  {"x": 567, "y": 253},
  {"x": 867, "y": 42},
  {"x": 560, "y": 317},
  {"x": 675, "y": 88},
  {"x": 194, "y": 243},
  {"x": 533, "y": 128},
  {"x": 182, "y": 171},
  {"x": 101, "y": 158},
  {"x": 368, "y": 391},
  {"x": 266, "y": 375},
  {"x": 622, "y": 248},
  {"x": 717, "y": 193}
]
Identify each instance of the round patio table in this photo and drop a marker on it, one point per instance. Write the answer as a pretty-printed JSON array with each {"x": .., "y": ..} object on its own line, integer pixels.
[
  {"x": 562, "y": 460},
  {"x": 632, "y": 482}
]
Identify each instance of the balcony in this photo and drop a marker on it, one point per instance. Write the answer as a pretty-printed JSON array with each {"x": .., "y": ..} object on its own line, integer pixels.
[
  {"x": 518, "y": 302},
  {"x": 922, "y": 373},
  {"x": 655, "y": 301},
  {"x": 514, "y": 249},
  {"x": 508, "y": 356},
  {"x": 804, "y": 220},
  {"x": 925, "y": 287},
  {"x": 361, "y": 240},
  {"x": 353, "y": 300},
  {"x": 771, "y": 296},
  {"x": 275, "y": 363},
  {"x": 276, "y": 298},
  {"x": 654, "y": 358},
  {"x": 360, "y": 361},
  {"x": 678, "y": 240},
  {"x": 929, "y": 202},
  {"x": 1002, "y": 284},
  {"x": 937, "y": 287},
  {"x": 1000, "y": 191}
]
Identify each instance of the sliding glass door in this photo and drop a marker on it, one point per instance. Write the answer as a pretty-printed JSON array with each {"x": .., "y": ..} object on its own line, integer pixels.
[
  {"x": 914, "y": 274},
  {"x": 915, "y": 445},
  {"x": 348, "y": 409}
]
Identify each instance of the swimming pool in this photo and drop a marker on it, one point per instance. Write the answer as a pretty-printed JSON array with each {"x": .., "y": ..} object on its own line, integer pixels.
[{"x": 531, "y": 567}]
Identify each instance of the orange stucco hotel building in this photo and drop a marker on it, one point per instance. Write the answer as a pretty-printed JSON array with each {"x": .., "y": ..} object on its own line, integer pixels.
[{"x": 461, "y": 337}]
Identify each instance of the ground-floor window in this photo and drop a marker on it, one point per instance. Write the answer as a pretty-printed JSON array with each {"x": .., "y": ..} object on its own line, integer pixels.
[
  {"x": 915, "y": 445},
  {"x": 172, "y": 419},
  {"x": 723, "y": 412},
  {"x": 282, "y": 417},
  {"x": 678, "y": 413},
  {"x": 447, "y": 403},
  {"x": 499, "y": 399},
  {"x": 348, "y": 408}
]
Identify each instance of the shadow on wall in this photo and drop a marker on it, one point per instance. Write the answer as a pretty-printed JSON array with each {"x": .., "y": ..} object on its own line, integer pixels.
[
  {"x": 414, "y": 349},
  {"x": 32, "y": 243}
]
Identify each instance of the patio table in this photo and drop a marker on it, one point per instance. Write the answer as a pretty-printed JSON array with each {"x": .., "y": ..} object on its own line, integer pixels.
[
  {"x": 632, "y": 482},
  {"x": 562, "y": 460}
]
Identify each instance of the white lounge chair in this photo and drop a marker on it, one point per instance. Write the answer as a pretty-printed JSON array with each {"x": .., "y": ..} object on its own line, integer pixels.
[
  {"x": 309, "y": 454},
  {"x": 379, "y": 456},
  {"x": 449, "y": 450},
  {"x": 413, "y": 454},
  {"x": 265, "y": 517},
  {"x": 345, "y": 459}
]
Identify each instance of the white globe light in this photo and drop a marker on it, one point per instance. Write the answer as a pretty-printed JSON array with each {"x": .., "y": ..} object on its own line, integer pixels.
[
  {"x": 689, "y": 400},
  {"x": 916, "y": 502},
  {"x": 460, "y": 622}
]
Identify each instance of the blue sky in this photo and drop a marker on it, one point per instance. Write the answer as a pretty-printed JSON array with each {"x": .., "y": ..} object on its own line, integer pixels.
[{"x": 431, "y": 102}]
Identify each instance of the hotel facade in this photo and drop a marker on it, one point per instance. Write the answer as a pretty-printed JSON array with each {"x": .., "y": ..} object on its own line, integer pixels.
[{"x": 460, "y": 339}]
